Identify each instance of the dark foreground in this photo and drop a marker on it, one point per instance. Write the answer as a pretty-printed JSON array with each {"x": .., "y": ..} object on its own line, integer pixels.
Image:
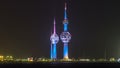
[{"x": 60, "y": 64}]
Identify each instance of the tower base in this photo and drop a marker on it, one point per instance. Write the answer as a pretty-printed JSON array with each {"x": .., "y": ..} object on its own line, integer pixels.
[{"x": 65, "y": 58}]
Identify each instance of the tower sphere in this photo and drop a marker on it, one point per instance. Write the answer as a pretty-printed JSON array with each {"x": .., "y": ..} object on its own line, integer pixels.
[
  {"x": 65, "y": 37},
  {"x": 54, "y": 38}
]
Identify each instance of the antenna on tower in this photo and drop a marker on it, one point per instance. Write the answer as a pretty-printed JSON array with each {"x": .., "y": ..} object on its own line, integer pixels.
[
  {"x": 54, "y": 26},
  {"x": 65, "y": 6},
  {"x": 65, "y": 11}
]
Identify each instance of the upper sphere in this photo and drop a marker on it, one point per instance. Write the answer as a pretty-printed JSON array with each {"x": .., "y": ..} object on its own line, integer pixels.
[{"x": 65, "y": 37}]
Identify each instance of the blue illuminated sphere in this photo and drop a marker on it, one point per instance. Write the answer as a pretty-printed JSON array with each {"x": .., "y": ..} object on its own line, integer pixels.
[
  {"x": 54, "y": 38},
  {"x": 65, "y": 37}
]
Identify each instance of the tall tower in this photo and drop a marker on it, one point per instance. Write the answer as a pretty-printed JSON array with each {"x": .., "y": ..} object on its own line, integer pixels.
[
  {"x": 54, "y": 40},
  {"x": 65, "y": 35}
]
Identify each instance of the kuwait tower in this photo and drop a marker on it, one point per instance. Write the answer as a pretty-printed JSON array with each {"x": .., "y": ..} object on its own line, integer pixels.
[
  {"x": 54, "y": 40},
  {"x": 65, "y": 35}
]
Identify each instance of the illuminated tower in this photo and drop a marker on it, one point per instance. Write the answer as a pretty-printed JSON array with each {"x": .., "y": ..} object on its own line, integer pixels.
[
  {"x": 65, "y": 35},
  {"x": 54, "y": 40}
]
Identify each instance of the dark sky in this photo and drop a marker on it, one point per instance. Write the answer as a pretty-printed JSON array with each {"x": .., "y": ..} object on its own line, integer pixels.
[{"x": 25, "y": 28}]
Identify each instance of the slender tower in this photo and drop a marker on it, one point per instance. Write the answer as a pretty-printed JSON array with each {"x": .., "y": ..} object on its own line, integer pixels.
[
  {"x": 54, "y": 40},
  {"x": 65, "y": 35}
]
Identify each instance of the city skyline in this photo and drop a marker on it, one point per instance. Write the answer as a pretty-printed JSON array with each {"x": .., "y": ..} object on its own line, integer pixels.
[{"x": 26, "y": 27}]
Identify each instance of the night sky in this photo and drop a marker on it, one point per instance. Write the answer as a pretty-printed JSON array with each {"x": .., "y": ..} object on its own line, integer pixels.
[{"x": 25, "y": 28}]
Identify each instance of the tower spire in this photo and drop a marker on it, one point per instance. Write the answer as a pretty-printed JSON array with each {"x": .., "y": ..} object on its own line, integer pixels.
[
  {"x": 65, "y": 11},
  {"x": 54, "y": 26}
]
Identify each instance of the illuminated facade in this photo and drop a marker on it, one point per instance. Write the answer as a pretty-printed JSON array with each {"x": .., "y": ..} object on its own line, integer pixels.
[
  {"x": 54, "y": 40},
  {"x": 65, "y": 35},
  {"x": 1, "y": 58}
]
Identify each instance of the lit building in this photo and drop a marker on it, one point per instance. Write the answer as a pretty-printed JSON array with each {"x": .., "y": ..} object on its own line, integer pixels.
[
  {"x": 65, "y": 35},
  {"x": 30, "y": 59},
  {"x": 1, "y": 58},
  {"x": 54, "y": 40},
  {"x": 8, "y": 58}
]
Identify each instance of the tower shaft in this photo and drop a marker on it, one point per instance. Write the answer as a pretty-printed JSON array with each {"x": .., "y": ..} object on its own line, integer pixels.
[
  {"x": 65, "y": 27},
  {"x": 65, "y": 53},
  {"x": 54, "y": 51},
  {"x": 51, "y": 51}
]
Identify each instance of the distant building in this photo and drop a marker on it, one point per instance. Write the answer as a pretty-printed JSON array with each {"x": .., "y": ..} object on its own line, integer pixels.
[
  {"x": 8, "y": 58},
  {"x": 30, "y": 59},
  {"x": 1, "y": 58}
]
